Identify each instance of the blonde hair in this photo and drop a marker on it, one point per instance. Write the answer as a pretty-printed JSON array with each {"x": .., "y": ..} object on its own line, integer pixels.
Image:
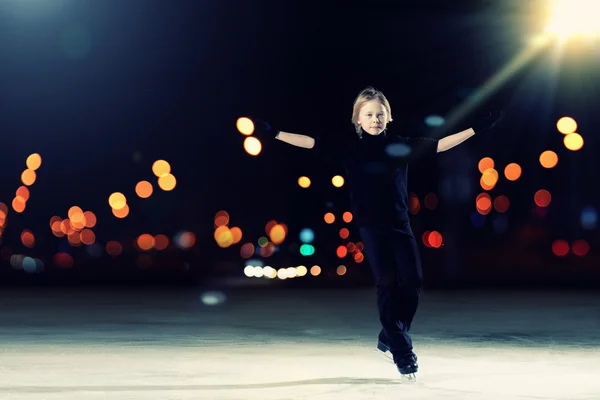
[{"x": 366, "y": 95}]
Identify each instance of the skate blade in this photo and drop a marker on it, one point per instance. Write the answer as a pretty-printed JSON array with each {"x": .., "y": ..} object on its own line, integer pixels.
[
  {"x": 409, "y": 377},
  {"x": 386, "y": 355}
]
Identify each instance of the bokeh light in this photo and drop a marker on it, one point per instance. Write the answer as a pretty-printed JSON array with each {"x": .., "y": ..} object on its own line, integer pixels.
[
  {"x": 122, "y": 212},
  {"x": 144, "y": 189},
  {"x": 341, "y": 270},
  {"x": 347, "y": 217},
  {"x": 34, "y": 161},
  {"x": 252, "y": 146},
  {"x": 344, "y": 233},
  {"x": 512, "y": 172},
  {"x": 277, "y": 234},
  {"x": 501, "y": 204},
  {"x": 337, "y": 181},
  {"x": 304, "y": 182},
  {"x": 485, "y": 163},
  {"x": 548, "y": 159},
  {"x": 560, "y": 248},
  {"x": 28, "y": 177},
  {"x": 23, "y": 193},
  {"x": 573, "y": 141},
  {"x": 245, "y": 126},
  {"x": 580, "y": 248},
  {"x": 414, "y": 205},
  {"x": 542, "y": 198},
  {"x": 167, "y": 182},
  {"x": 161, "y": 168},
  {"x": 221, "y": 218},
  {"x": 566, "y": 125},
  {"x": 430, "y": 201},
  {"x": 329, "y": 218},
  {"x": 490, "y": 177},
  {"x": 483, "y": 203},
  {"x": 435, "y": 239},
  {"x": 117, "y": 201}
]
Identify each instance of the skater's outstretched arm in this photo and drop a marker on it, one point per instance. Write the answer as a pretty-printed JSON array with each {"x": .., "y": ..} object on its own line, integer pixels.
[
  {"x": 483, "y": 125},
  {"x": 454, "y": 140},
  {"x": 296, "y": 139}
]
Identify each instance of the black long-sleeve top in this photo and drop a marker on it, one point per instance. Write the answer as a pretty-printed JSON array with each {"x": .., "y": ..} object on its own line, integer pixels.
[{"x": 377, "y": 173}]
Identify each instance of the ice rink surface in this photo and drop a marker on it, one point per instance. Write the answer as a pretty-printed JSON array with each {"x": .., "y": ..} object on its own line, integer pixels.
[{"x": 293, "y": 344}]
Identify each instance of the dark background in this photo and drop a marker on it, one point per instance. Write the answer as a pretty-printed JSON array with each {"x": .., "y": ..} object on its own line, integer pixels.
[{"x": 102, "y": 89}]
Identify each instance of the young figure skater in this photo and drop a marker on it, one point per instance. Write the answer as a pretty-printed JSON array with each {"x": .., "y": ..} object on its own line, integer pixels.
[{"x": 376, "y": 164}]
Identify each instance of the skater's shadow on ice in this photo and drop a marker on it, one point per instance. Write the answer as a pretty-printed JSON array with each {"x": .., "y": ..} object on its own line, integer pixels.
[{"x": 165, "y": 387}]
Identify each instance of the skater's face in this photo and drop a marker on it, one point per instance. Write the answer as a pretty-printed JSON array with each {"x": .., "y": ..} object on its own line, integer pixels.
[{"x": 373, "y": 117}]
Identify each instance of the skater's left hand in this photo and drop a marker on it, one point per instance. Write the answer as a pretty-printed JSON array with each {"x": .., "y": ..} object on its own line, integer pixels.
[
  {"x": 488, "y": 122},
  {"x": 263, "y": 129}
]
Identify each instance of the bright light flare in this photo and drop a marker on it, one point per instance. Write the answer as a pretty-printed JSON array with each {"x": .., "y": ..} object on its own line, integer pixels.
[{"x": 575, "y": 18}]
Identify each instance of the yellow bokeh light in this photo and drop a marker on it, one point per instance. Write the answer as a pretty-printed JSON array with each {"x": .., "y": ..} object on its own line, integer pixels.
[
  {"x": 566, "y": 125},
  {"x": 117, "y": 201},
  {"x": 485, "y": 163},
  {"x": 337, "y": 181},
  {"x": 245, "y": 126},
  {"x": 315, "y": 270},
  {"x": 573, "y": 141},
  {"x": 548, "y": 159},
  {"x": 490, "y": 177},
  {"x": 252, "y": 146},
  {"x": 161, "y": 168},
  {"x": 277, "y": 234},
  {"x": 34, "y": 161},
  {"x": 28, "y": 177},
  {"x": 512, "y": 172},
  {"x": 304, "y": 182},
  {"x": 167, "y": 182}
]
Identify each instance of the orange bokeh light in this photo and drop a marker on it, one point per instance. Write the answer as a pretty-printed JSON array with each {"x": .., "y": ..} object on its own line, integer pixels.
[
  {"x": 485, "y": 163},
  {"x": 144, "y": 189},
  {"x": 27, "y": 238},
  {"x": 23, "y": 193},
  {"x": 347, "y": 217},
  {"x": 512, "y": 171},
  {"x": 121, "y": 213},
  {"x": 548, "y": 159},
  {"x": 28, "y": 177},
  {"x": 145, "y": 241},
  {"x": 329, "y": 218},
  {"x": 18, "y": 204}
]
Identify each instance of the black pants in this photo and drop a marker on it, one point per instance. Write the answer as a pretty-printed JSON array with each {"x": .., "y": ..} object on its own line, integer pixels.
[{"x": 394, "y": 258}]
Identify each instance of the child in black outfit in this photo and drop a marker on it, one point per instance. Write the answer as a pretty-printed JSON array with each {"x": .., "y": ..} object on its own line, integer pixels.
[{"x": 376, "y": 164}]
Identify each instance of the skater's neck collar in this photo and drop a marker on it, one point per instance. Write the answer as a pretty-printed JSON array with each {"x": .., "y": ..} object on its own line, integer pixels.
[{"x": 364, "y": 134}]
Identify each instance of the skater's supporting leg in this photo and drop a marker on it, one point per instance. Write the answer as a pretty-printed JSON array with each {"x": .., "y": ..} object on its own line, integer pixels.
[{"x": 394, "y": 259}]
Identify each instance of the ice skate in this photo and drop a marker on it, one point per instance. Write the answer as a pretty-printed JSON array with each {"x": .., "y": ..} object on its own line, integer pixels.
[{"x": 407, "y": 366}]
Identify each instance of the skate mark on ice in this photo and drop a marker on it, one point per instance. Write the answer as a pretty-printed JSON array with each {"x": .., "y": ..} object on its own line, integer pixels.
[{"x": 168, "y": 387}]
